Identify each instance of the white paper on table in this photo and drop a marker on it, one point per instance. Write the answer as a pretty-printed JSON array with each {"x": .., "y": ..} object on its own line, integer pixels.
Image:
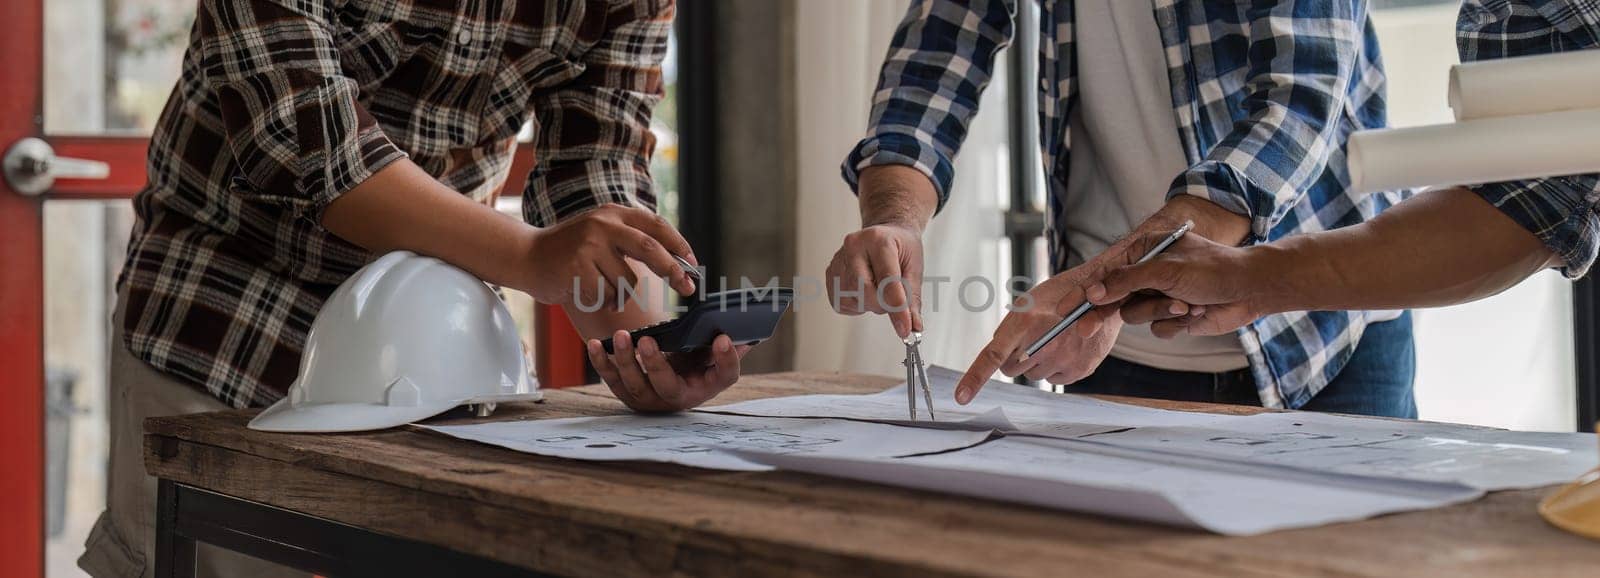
[
  {"x": 1475, "y": 151},
  {"x": 1483, "y": 458},
  {"x": 1234, "y": 475},
  {"x": 888, "y": 406},
  {"x": 1057, "y": 474},
  {"x": 699, "y": 440},
  {"x": 1002, "y": 406},
  {"x": 1526, "y": 85}
]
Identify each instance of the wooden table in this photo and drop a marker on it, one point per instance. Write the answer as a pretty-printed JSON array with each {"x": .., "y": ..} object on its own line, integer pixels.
[{"x": 412, "y": 502}]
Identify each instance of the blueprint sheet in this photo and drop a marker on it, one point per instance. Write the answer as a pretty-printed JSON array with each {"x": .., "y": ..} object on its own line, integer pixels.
[
  {"x": 700, "y": 440},
  {"x": 1000, "y": 405},
  {"x": 1232, "y": 475},
  {"x": 1482, "y": 458},
  {"x": 1053, "y": 473}
]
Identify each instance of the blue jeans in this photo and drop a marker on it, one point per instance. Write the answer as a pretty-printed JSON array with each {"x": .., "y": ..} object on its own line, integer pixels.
[{"x": 1376, "y": 381}]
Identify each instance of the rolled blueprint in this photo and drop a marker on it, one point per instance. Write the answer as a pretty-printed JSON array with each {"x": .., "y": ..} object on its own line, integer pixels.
[
  {"x": 1476, "y": 151},
  {"x": 1526, "y": 85}
]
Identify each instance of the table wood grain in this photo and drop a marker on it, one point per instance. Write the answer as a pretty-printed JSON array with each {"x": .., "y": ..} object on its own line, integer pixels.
[{"x": 645, "y": 519}]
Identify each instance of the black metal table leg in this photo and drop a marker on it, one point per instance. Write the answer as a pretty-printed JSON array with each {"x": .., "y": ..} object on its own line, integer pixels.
[
  {"x": 188, "y": 515},
  {"x": 174, "y": 551}
]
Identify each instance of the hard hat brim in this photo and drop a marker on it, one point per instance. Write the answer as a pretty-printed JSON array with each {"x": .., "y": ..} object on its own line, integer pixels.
[
  {"x": 342, "y": 417},
  {"x": 1575, "y": 507}
]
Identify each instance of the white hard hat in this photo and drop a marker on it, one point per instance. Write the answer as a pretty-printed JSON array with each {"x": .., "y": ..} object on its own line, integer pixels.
[{"x": 406, "y": 338}]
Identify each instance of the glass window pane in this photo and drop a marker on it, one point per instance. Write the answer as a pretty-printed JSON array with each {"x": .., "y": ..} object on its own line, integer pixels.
[
  {"x": 664, "y": 165},
  {"x": 84, "y": 244},
  {"x": 110, "y": 64}
]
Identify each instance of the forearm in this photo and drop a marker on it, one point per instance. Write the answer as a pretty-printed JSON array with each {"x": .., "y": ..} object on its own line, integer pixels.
[
  {"x": 401, "y": 207},
  {"x": 896, "y": 194},
  {"x": 1440, "y": 248}
]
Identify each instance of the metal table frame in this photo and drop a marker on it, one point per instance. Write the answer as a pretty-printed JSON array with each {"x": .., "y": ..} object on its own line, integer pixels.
[{"x": 186, "y": 516}]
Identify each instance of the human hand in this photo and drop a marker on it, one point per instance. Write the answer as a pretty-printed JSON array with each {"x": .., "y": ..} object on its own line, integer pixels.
[
  {"x": 586, "y": 256},
  {"x": 1197, "y": 286},
  {"x": 880, "y": 268},
  {"x": 882, "y": 262},
  {"x": 1072, "y": 355},
  {"x": 647, "y": 380}
]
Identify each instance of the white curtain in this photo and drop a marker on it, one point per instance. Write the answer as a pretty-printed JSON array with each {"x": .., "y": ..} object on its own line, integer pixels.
[{"x": 839, "y": 47}]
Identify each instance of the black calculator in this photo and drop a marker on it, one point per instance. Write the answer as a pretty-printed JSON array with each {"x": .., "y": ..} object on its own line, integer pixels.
[{"x": 747, "y": 316}]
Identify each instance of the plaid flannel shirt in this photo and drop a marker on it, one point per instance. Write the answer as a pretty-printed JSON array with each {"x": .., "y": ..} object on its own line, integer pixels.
[
  {"x": 1265, "y": 95},
  {"x": 1564, "y": 212},
  {"x": 284, "y": 105}
]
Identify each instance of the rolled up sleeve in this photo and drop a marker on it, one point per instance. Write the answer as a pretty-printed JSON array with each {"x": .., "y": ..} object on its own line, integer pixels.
[
  {"x": 1301, "y": 60},
  {"x": 592, "y": 136},
  {"x": 292, "y": 119},
  {"x": 940, "y": 60},
  {"x": 1563, "y": 212}
]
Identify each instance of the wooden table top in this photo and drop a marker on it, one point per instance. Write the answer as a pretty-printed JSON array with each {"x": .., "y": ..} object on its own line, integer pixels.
[{"x": 646, "y": 519}]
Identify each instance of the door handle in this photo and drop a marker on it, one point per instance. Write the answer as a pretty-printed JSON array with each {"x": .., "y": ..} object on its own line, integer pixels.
[{"x": 32, "y": 167}]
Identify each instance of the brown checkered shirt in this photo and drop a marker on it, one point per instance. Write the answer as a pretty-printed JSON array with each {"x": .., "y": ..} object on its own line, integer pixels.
[{"x": 284, "y": 105}]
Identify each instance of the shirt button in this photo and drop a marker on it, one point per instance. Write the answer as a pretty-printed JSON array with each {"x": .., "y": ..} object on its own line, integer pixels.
[{"x": 463, "y": 36}]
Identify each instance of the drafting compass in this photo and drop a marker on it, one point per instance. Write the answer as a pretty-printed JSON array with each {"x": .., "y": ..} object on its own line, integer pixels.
[{"x": 916, "y": 375}]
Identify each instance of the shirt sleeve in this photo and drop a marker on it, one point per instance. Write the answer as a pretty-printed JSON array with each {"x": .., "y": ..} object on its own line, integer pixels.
[
  {"x": 292, "y": 119},
  {"x": 592, "y": 135},
  {"x": 1563, "y": 212},
  {"x": 1301, "y": 57},
  {"x": 940, "y": 60}
]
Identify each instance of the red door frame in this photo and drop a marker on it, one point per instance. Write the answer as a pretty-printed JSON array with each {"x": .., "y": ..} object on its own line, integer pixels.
[
  {"x": 21, "y": 300},
  {"x": 22, "y": 279}
]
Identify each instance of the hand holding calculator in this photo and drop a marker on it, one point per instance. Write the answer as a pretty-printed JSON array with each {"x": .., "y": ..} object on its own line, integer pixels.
[{"x": 747, "y": 316}]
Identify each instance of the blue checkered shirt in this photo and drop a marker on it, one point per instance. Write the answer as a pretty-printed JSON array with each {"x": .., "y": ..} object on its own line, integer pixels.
[
  {"x": 1265, "y": 95},
  {"x": 1564, "y": 212}
]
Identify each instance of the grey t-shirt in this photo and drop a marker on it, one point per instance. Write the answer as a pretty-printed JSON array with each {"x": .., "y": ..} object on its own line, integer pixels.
[{"x": 1125, "y": 153}]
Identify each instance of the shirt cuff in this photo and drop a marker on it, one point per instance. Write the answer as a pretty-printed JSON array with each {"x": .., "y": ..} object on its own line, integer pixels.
[
  {"x": 349, "y": 165},
  {"x": 1560, "y": 211},
  {"x": 346, "y": 147},
  {"x": 1220, "y": 183},
  {"x": 557, "y": 193},
  {"x": 900, "y": 149}
]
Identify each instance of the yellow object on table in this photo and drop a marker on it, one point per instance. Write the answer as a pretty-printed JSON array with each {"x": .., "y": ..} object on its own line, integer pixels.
[{"x": 1576, "y": 507}]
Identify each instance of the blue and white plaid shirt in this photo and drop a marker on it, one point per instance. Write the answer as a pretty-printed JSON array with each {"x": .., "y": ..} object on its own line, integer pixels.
[
  {"x": 1564, "y": 212},
  {"x": 1265, "y": 95}
]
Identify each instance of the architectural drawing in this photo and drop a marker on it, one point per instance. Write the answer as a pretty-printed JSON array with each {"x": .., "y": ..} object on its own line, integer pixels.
[
  {"x": 1484, "y": 458},
  {"x": 1488, "y": 459},
  {"x": 1224, "y": 473},
  {"x": 701, "y": 439}
]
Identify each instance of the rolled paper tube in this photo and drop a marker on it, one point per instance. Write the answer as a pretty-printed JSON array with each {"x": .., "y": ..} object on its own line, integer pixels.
[
  {"x": 1476, "y": 151},
  {"x": 1526, "y": 85}
]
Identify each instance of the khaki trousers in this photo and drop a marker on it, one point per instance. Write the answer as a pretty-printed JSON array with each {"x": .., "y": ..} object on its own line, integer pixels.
[{"x": 122, "y": 543}]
